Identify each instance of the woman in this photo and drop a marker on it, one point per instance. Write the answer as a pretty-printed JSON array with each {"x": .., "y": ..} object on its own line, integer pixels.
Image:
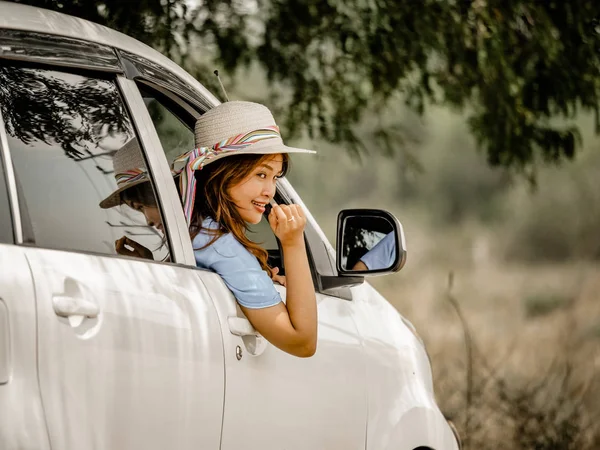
[{"x": 226, "y": 183}]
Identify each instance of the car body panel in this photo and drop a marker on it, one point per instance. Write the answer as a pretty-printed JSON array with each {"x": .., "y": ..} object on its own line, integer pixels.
[
  {"x": 275, "y": 400},
  {"x": 151, "y": 360},
  {"x": 22, "y": 417},
  {"x": 398, "y": 378}
]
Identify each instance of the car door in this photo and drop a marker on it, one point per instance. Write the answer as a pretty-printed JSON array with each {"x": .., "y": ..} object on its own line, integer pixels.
[
  {"x": 129, "y": 351},
  {"x": 278, "y": 401},
  {"x": 274, "y": 400}
]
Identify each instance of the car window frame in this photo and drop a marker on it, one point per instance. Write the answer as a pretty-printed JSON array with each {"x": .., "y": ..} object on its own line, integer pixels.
[
  {"x": 159, "y": 170},
  {"x": 139, "y": 68},
  {"x": 8, "y": 184},
  {"x": 58, "y": 51}
]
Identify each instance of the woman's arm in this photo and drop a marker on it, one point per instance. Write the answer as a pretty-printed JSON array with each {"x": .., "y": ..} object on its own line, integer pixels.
[
  {"x": 360, "y": 266},
  {"x": 292, "y": 327},
  {"x": 381, "y": 256}
]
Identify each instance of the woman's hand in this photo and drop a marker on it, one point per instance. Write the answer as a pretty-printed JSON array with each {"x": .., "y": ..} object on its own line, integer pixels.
[
  {"x": 139, "y": 251},
  {"x": 277, "y": 278},
  {"x": 287, "y": 222}
]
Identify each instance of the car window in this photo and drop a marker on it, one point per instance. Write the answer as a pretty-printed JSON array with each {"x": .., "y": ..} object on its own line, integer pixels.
[
  {"x": 262, "y": 234},
  {"x": 6, "y": 231},
  {"x": 173, "y": 125},
  {"x": 63, "y": 131}
]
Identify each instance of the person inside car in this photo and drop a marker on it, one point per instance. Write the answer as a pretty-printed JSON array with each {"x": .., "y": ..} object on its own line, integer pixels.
[{"x": 225, "y": 184}]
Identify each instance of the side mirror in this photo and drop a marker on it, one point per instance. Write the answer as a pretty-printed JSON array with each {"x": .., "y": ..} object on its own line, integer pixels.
[{"x": 369, "y": 242}]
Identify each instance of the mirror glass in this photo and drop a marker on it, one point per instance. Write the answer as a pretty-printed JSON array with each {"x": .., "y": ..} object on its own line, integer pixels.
[{"x": 368, "y": 243}]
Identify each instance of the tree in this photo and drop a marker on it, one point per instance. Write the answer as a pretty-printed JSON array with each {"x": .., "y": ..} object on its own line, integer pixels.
[{"x": 521, "y": 69}]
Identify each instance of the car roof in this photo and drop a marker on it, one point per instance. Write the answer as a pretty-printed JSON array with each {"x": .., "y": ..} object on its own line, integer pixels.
[{"x": 29, "y": 18}]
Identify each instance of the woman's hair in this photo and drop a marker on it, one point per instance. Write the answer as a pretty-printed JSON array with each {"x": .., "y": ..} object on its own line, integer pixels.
[{"x": 213, "y": 199}]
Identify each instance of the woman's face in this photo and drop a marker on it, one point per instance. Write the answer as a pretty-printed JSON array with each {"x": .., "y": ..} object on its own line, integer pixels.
[
  {"x": 151, "y": 213},
  {"x": 256, "y": 190}
]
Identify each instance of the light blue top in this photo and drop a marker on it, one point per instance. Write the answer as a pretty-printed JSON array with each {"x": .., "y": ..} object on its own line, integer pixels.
[
  {"x": 382, "y": 255},
  {"x": 238, "y": 267}
]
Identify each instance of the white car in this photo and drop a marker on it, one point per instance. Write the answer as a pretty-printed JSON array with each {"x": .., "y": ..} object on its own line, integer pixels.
[{"x": 103, "y": 351}]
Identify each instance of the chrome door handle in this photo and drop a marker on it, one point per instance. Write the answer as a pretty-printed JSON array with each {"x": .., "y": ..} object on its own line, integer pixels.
[{"x": 75, "y": 309}]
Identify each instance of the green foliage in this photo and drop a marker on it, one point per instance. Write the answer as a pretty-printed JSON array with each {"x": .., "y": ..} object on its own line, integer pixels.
[
  {"x": 516, "y": 65},
  {"x": 522, "y": 63}
]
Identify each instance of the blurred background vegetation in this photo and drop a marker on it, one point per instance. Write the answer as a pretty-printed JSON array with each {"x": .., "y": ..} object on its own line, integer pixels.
[{"x": 475, "y": 123}]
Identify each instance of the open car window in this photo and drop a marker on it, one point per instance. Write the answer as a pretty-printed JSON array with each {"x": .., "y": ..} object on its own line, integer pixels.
[{"x": 174, "y": 121}]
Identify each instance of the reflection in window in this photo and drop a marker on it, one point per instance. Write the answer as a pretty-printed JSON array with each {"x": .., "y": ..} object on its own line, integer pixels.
[{"x": 63, "y": 130}]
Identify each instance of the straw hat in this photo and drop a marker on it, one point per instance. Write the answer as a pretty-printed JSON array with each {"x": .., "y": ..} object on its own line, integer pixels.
[
  {"x": 232, "y": 119},
  {"x": 127, "y": 158},
  {"x": 229, "y": 129}
]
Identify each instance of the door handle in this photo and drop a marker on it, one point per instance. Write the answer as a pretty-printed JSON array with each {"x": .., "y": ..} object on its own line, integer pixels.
[
  {"x": 75, "y": 309},
  {"x": 239, "y": 326}
]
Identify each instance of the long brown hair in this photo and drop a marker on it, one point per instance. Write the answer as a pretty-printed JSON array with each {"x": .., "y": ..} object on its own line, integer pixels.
[{"x": 213, "y": 200}]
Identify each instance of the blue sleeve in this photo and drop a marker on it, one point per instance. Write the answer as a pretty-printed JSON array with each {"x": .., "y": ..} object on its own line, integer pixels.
[
  {"x": 382, "y": 255},
  {"x": 239, "y": 268}
]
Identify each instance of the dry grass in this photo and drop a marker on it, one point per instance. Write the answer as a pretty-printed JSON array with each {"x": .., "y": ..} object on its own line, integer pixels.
[{"x": 535, "y": 347}]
